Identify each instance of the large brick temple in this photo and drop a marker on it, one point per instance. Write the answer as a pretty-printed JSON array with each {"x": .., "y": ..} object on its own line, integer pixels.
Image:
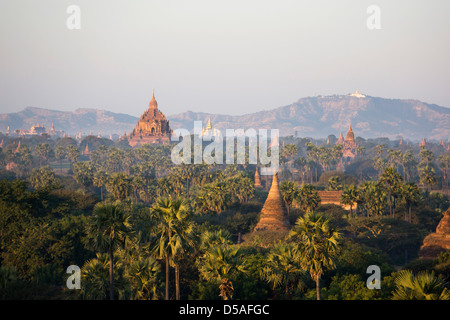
[
  {"x": 152, "y": 127},
  {"x": 349, "y": 146}
]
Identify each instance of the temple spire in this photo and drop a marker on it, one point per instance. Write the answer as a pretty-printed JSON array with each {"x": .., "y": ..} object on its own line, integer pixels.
[
  {"x": 341, "y": 139},
  {"x": 153, "y": 104},
  {"x": 257, "y": 179},
  {"x": 350, "y": 134}
]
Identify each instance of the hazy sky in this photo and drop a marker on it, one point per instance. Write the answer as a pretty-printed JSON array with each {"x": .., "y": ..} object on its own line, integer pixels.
[{"x": 229, "y": 57}]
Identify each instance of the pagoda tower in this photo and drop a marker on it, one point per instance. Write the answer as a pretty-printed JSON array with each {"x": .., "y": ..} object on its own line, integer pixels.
[
  {"x": 18, "y": 148},
  {"x": 273, "y": 214},
  {"x": 350, "y": 135},
  {"x": 86, "y": 150},
  {"x": 341, "y": 139},
  {"x": 257, "y": 179},
  {"x": 423, "y": 143},
  {"x": 152, "y": 127},
  {"x": 438, "y": 241}
]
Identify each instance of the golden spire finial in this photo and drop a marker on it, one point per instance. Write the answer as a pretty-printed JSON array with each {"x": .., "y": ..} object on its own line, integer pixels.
[{"x": 153, "y": 103}]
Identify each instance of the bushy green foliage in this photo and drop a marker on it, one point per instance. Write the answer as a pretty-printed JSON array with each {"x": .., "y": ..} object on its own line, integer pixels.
[{"x": 44, "y": 225}]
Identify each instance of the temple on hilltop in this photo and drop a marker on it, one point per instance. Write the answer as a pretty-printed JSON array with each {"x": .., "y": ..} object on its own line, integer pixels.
[
  {"x": 210, "y": 132},
  {"x": 273, "y": 214},
  {"x": 357, "y": 94},
  {"x": 35, "y": 130},
  {"x": 349, "y": 146},
  {"x": 152, "y": 127}
]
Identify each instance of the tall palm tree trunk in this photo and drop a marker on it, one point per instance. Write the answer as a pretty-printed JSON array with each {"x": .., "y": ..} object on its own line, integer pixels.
[
  {"x": 177, "y": 281},
  {"x": 111, "y": 279},
  {"x": 318, "y": 288},
  {"x": 167, "y": 278}
]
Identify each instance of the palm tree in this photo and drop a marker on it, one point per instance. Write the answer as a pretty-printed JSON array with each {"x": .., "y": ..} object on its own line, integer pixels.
[
  {"x": 100, "y": 180},
  {"x": 334, "y": 183},
  {"x": 222, "y": 263},
  {"x": 95, "y": 278},
  {"x": 317, "y": 245},
  {"x": 83, "y": 173},
  {"x": 307, "y": 198},
  {"x": 72, "y": 154},
  {"x": 24, "y": 160},
  {"x": 174, "y": 234},
  {"x": 300, "y": 163},
  {"x": 408, "y": 163},
  {"x": 372, "y": 197},
  {"x": 428, "y": 176},
  {"x": 423, "y": 286},
  {"x": 349, "y": 197},
  {"x": 143, "y": 276},
  {"x": 108, "y": 230},
  {"x": 444, "y": 163},
  {"x": 119, "y": 184},
  {"x": 289, "y": 151},
  {"x": 394, "y": 157},
  {"x": 426, "y": 157},
  {"x": 289, "y": 192},
  {"x": 213, "y": 197},
  {"x": 60, "y": 154},
  {"x": 282, "y": 268},
  {"x": 214, "y": 238},
  {"x": 44, "y": 152},
  {"x": 240, "y": 186},
  {"x": 163, "y": 187},
  {"x": 391, "y": 180},
  {"x": 44, "y": 177},
  {"x": 410, "y": 194},
  {"x": 114, "y": 160}
]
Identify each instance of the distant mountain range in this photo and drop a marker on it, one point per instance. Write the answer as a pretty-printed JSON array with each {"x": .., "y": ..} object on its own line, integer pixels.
[
  {"x": 315, "y": 117},
  {"x": 86, "y": 121}
]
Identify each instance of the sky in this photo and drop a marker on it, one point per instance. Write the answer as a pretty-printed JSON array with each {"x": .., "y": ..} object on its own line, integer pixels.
[{"x": 227, "y": 57}]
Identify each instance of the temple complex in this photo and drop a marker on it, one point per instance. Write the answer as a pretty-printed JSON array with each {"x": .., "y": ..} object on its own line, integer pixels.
[
  {"x": 273, "y": 214},
  {"x": 349, "y": 146},
  {"x": 210, "y": 132},
  {"x": 152, "y": 127}
]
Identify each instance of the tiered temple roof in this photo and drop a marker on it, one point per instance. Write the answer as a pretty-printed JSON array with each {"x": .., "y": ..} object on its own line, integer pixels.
[
  {"x": 349, "y": 146},
  {"x": 152, "y": 127}
]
